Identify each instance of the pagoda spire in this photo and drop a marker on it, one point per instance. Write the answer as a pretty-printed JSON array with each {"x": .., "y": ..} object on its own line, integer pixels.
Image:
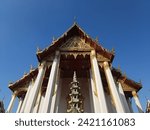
[
  {"x": 74, "y": 77},
  {"x": 75, "y": 102},
  {"x": 75, "y": 20}
]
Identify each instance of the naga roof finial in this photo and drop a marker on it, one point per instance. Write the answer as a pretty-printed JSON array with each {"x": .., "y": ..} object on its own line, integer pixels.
[{"x": 75, "y": 20}]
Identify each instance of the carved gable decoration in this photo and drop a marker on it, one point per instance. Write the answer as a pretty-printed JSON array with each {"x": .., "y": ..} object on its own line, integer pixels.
[
  {"x": 101, "y": 57},
  {"x": 75, "y": 43},
  {"x": 128, "y": 88}
]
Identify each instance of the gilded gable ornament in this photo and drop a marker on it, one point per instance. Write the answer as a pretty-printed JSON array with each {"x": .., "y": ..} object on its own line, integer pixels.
[{"x": 75, "y": 43}]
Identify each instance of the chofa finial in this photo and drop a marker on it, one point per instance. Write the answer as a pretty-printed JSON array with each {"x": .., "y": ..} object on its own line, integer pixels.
[
  {"x": 124, "y": 74},
  {"x": 25, "y": 73},
  {"x": 140, "y": 81},
  {"x": 113, "y": 50},
  {"x": 53, "y": 38},
  {"x": 75, "y": 20},
  {"x": 38, "y": 49},
  {"x": 119, "y": 68},
  {"x": 96, "y": 39},
  {"x": 31, "y": 67}
]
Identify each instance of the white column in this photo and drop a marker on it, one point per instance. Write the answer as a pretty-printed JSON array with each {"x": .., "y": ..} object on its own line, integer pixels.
[
  {"x": 93, "y": 94},
  {"x": 56, "y": 109},
  {"x": 26, "y": 97},
  {"x": 37, "y": 104},
  {"x": 51, "y": 84},
  {"x": 11, "y": 102},
  {"x": 55, "y": 94},
  {"x": 137, "y": 102},
  {"x": 37, "y": 85},
  {"x": 19, "y": 105},
  {"x": 99, "y": 87},
  {"x": 41, "y": 102},
  {"x": 122, "y": 96},
  {"x": 113, "y": 89}
]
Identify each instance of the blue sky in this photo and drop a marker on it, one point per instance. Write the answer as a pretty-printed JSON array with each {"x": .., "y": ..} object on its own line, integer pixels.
[{"x": 120, "y": 24}]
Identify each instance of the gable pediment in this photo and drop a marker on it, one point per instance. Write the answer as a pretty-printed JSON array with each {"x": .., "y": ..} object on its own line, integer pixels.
[
  {"x": 75, "y": 39},
  {"x": 75, "y": 43}
]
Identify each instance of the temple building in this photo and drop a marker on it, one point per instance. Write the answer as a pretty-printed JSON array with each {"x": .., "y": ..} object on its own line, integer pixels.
[{"x": 75, "y": 75}]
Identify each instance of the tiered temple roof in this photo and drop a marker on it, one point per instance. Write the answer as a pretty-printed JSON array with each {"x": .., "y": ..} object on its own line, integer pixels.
[{"x": 76, "y": 32}]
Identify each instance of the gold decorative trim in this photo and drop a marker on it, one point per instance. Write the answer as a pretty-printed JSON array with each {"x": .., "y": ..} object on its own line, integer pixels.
[
  {"x": 93, "y": 54},
  {"x": 101, "y": 58},
  {"x": 43, "y": 65},
  {"x": 75, "y": 43},
  {"x": 75, "y": 54},
  {"x": 15, "y": 92},
  {"x": 134, "y": 94},
  {"x": 106, "y": 65}
]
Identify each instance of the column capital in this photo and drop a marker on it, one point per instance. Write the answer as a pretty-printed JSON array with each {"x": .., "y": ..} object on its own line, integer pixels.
[
  {"x": 93, "y": 53},
  {"x": 137, "y": 101},
  {"x": 134, "y": 94},
  {"x": 42, "y": 64},
  {"x": 119, "y": 81},
  {"x": 15, "y": 93},
  {"x": 57, "y": 53},
  {"x": 105, "y": 65}
]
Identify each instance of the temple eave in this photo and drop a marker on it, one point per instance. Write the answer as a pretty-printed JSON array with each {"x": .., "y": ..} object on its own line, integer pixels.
[
  {"x": 26, "y": 77},
  {"x": 125, "y": 80}
]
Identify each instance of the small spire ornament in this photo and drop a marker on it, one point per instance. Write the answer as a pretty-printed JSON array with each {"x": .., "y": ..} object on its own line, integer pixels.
[
  {"x": 75, "y": 100},
  {"x": 31, "y": 68},
  {"x": 75, "y": 20},
  {"x": 53, "y": 38},
  {"x": 113, "y": 51},
  {"x": 96, "y": 39}
]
